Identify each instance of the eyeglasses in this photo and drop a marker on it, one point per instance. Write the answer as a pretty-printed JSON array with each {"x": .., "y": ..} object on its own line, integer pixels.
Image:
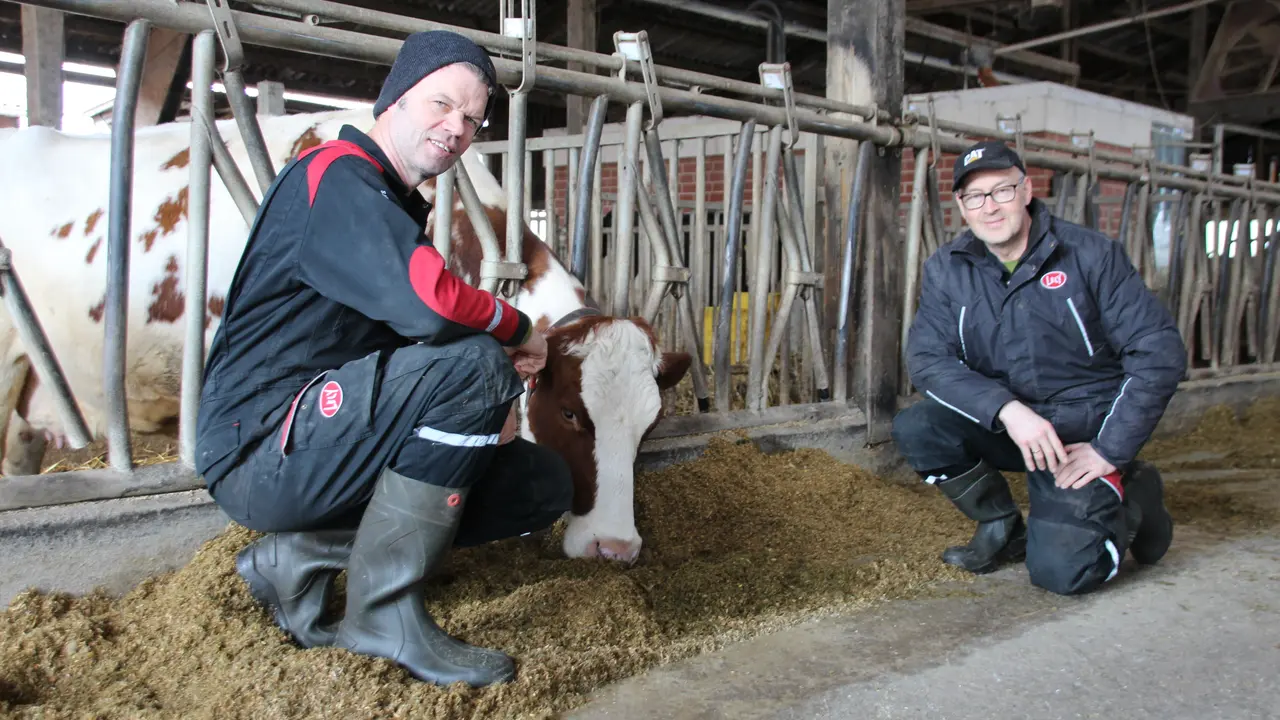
[{"x": 1002, "y": 195}]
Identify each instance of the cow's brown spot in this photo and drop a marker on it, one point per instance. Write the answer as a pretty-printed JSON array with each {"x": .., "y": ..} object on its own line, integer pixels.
[
  {"x": 23, "y": 406},
  {"x": 466, "y": 253},
  {"x": 543, "y": 323},
  {"x": 93, "y": 250},
  {"x": 179, "y": 161},
  {"x": 169, "y": 301},
  {"x": 172, "y": 211},
  {"x": 92, "y": 221},
  {"x": 96, "y": 311},
  {"x": 148, "y": 239},
  {"x": 305, "y": 141},
  {"x": 216, "y": 304},
  {"x": 62, "y": 232}
]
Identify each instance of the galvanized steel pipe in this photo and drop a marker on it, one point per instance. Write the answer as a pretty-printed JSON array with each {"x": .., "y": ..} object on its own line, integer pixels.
[
  {"x": 624, "y": 213},
  {"x": 115, "y": 324},
  {"x": 848, "y": 270},
  {"x": 733, "y": 238},
  {"x": 200, "y": 164},
  {"x": 586, "y": 181},
  {"x": 766, "y": 211},
  {"x": 250, "y": 132},
  {"x": 33, "y": 338}
]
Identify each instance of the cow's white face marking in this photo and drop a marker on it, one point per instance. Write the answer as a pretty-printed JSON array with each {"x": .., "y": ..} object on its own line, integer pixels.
[{"x": 620, "y": 393}]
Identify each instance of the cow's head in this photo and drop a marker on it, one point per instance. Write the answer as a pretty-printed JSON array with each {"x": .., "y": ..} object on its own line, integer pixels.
[{"x": 594, "y": 402}]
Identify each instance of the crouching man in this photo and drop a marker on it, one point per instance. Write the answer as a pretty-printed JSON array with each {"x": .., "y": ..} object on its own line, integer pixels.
[
  {"x": 1037, "y": 347},
  {"x": 357, "y": 399}
]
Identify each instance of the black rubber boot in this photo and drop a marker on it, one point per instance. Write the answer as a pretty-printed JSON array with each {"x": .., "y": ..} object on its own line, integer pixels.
[
  {"x": 1150, "y": 525},
  {"x": 406, "y": 531},
  {"x": 982, "y": 494},
  {"x": 292, "y": 575}
]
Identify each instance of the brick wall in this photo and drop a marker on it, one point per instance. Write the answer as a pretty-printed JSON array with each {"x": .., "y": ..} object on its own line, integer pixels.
[
  {"x": 1041, "y": 183},
  {"x": 1041, "y": 180}
]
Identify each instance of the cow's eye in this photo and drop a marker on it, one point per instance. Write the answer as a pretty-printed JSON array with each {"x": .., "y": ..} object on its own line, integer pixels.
[{"x": 568, "y": 415}]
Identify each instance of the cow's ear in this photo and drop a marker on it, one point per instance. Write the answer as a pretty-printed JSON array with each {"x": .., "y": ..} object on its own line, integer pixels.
[{"x": 672, "y": 369}]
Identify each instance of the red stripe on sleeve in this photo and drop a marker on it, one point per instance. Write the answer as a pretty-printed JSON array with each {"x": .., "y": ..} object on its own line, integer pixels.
[{"x": 451, "y": 298}]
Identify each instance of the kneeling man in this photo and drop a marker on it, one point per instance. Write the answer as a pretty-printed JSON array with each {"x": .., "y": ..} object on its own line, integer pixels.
[{"x": 1037, "y": 346}]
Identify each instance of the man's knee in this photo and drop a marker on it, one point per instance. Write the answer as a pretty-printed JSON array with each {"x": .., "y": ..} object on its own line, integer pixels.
[
  {"x": 1068, "y": 558},
  {"x": 472, "y": 369}
]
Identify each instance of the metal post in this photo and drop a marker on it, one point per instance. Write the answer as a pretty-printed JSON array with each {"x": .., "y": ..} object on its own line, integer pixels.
[
  {"x": 1236, "y": 230},
  {"x": 848, "y": 270},
  {"x": 624, "y": 213},
  {"x": 489, "y": 278},
  {"x": 1126, "y": 209},
  {"x": 442, "y": 235},
  {"x": 250, "y": 132},
  {"x": 764, "y": 215},
  {"x": 914, "y": 232},
  {"x": 805, "y": 264},
  {"x": 517, "y": 126},
  {"x": 133, "y": 54},
  {"x": 586, "y": 176},
  {"x": 201, "y": 160},
  {"x": 733, "y": 234},
  {"x": 41, "y": 353}
]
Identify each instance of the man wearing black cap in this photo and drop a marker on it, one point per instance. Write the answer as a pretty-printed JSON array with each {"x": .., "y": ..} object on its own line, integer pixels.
[
  {"x": 1037, "y": 347},
  {"x": 356, "y": 395}
]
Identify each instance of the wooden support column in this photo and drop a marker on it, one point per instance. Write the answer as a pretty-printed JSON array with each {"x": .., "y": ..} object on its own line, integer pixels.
[
  {"x": 159, "y": 74},
  {"x": 865, "y": 65},
  {"x": 582, "y": 35},
  {"x": 1199, "y": 41},
  {"x": 43, "y": 47}
]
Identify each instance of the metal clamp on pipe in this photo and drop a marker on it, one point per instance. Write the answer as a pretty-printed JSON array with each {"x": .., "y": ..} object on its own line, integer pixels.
[
  {"x": 778, "y": 76},
  {"x": 635, "y": 47},
  {"x": 225, "y": 25},
  {"x": 671, "y": 274},
  {"x": 524, "y": 27},
  {"x": 811, "y": 279},
  {"x": 504, "y": 271}
]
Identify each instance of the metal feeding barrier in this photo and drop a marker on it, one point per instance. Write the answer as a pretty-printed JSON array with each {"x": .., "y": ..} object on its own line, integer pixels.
[{"x": 734, "y": 270}]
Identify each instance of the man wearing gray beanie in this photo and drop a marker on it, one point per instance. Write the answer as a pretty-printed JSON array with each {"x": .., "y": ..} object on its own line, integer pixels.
[{"x": 356, "y": 395}]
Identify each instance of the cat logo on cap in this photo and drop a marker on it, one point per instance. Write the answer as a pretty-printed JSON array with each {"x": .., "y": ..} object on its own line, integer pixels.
[{"x": 975, "y": 155}]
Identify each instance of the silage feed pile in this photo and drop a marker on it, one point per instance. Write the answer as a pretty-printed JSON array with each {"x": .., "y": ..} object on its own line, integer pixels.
[{"x": 737, "y": 544}]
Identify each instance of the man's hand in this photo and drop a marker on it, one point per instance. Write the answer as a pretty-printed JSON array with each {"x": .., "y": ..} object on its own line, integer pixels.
[
  {"x": 1035, "y": 437},
  {"x": 1083, "y": 466},
  {"x": 509, "y": 428},
  {"x": 530, "y": 357}
]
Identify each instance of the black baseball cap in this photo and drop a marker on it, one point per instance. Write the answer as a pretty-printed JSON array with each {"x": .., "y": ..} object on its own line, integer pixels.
[{"x": 986, "y": 155}]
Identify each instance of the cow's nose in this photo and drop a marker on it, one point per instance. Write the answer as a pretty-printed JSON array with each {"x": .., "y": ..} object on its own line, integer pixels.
[{"x": 620, "y": 550}]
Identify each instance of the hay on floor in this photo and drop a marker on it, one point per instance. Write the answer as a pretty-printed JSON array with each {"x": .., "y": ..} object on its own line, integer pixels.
[{"x": 737, "y": 544}]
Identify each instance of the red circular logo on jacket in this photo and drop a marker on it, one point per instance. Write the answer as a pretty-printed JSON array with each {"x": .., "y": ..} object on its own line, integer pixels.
[
  {"x": 1054, "y": 280},
  {"x": 330, "y": 399}
]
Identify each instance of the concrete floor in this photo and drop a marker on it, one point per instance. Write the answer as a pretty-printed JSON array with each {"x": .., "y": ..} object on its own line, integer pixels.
[{"x": 1197, "y": 636}]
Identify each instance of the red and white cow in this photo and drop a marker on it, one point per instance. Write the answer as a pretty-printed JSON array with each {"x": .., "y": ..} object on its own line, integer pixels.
[{"x": 597, "y": 398}]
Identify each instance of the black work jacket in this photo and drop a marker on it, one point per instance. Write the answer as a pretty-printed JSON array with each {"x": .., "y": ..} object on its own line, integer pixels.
[
  {"x": 1073, "y": 332},
  {"x": 336, "y": 267}
]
